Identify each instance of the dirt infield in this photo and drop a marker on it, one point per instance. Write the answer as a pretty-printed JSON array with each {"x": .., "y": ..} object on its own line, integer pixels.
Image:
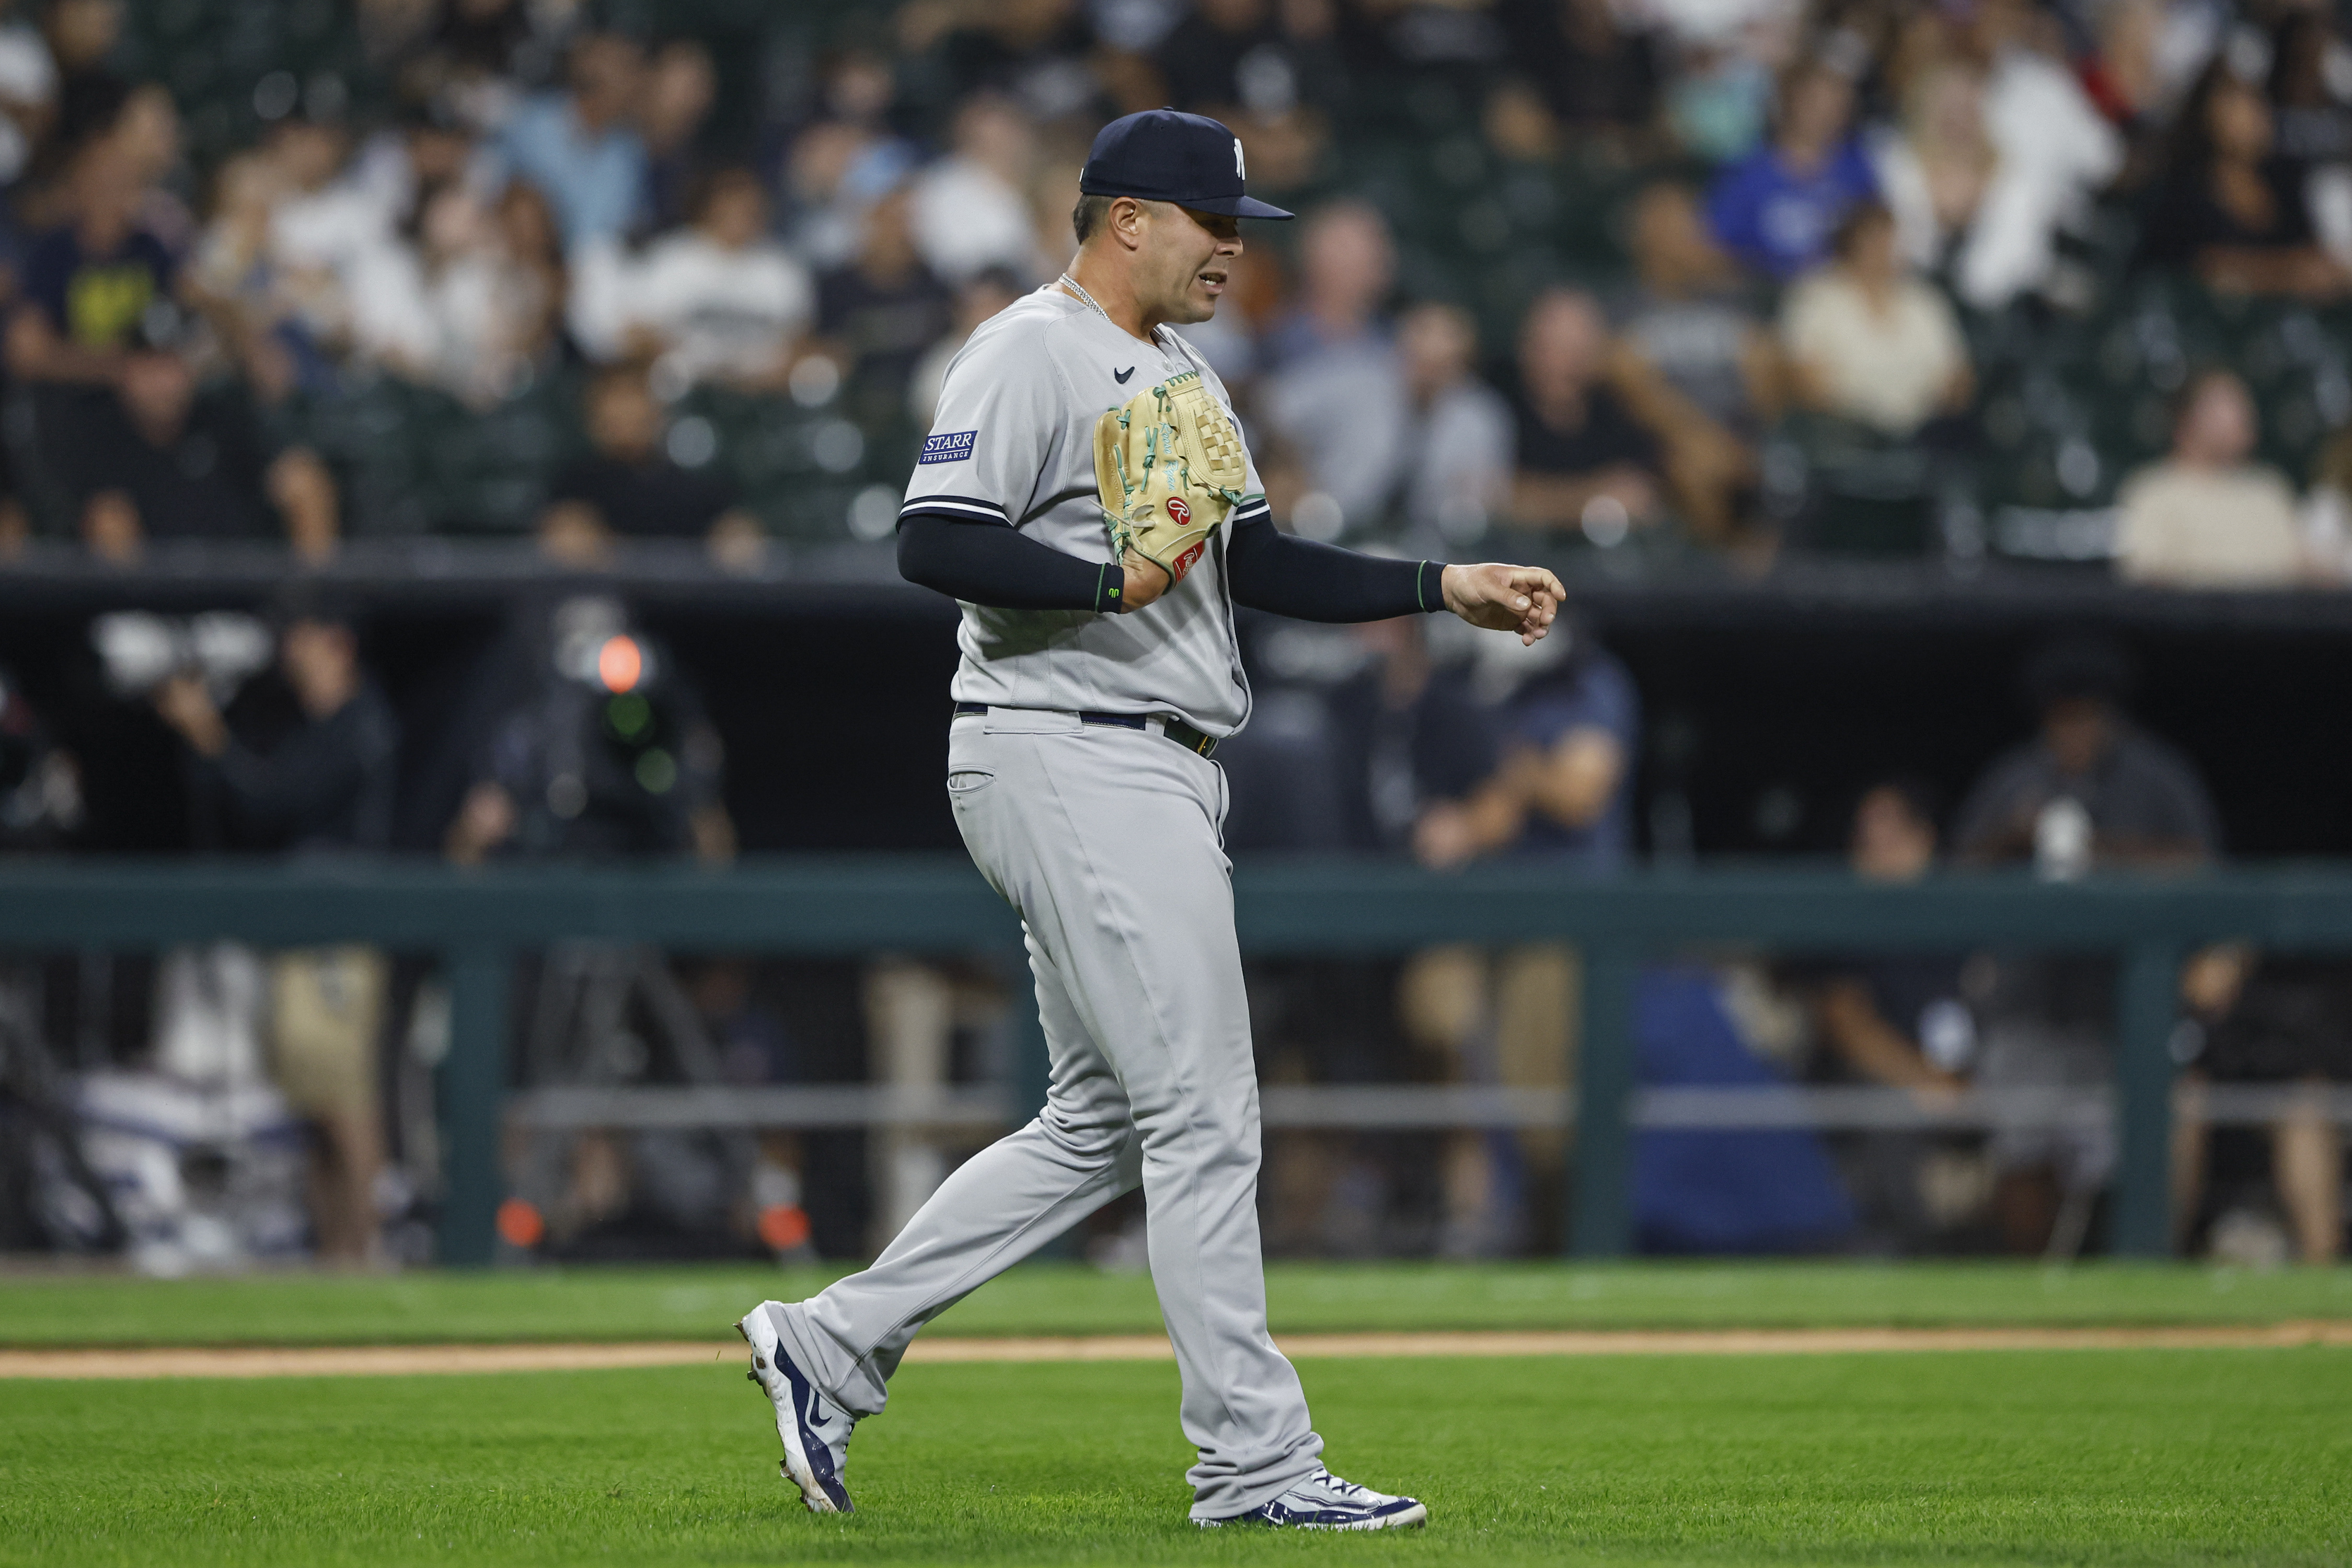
[{"x": 398, "y": 1361}]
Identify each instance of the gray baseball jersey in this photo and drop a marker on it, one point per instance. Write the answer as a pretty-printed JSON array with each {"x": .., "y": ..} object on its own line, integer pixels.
[
  {"x": 1108, "y": 842},
  {"x": 1014, "y": 442}
]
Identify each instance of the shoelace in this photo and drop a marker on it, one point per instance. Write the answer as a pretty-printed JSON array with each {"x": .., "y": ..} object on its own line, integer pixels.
[{"x": 1337, "y": 1486}]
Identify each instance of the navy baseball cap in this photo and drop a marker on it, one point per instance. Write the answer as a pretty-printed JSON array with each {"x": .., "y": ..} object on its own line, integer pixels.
[{"x": 1162, "y": 155}]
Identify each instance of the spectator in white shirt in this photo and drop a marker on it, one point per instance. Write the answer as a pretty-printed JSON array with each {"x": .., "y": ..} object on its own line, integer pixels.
[
  {"x": 720, "y": 299},
  {"x": 2055, "y": 153},
  {"x": 327, "y": 215},
  {"x": 28, "y": 95},
  {"x": 452, "y": 308},
  {"x": 971, "y": 209},
  {"x": 2000, "y": 147},
  {"x": 1869, "y": 342},
  {"x": 2205, "y": 517},
  {"x": 1337, "y": 394},
  {"x": 320, "y": 225},
  {"x": 1936, "y": 169},
  {"x": 1458, "y": 449}
]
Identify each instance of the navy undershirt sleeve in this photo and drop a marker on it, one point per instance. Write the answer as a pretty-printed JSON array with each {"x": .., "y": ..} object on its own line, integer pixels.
[
  {"x": 994, "y": 565},
  {"x": 1271, "y": 570},
  {"x": 989, "y": 564}
]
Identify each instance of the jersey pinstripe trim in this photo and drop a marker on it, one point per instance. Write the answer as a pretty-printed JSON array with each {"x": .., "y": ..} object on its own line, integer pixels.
[
  {"x": 1250, "y": 507},
  {"x": 968, "y": 507}
]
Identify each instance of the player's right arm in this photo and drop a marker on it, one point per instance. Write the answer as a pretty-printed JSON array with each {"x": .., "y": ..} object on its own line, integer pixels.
[
  {"x": 1001, "y": 567},
  {"x": 1001, "y": 407}
]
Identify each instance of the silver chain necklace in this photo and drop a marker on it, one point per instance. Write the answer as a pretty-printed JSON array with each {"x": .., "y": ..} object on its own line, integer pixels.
[{"x": 1080, "y": 290}]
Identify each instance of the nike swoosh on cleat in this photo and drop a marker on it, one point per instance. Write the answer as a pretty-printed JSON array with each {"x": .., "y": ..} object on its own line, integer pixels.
[
  {"x": 1120, "y": 375},
  {"x": 816, "y": 1450}
]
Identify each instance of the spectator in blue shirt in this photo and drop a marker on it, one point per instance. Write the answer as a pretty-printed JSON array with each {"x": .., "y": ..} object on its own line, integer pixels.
[
  {"x": 1560, "y": 797},
  {"x": 1571, "y": 735},
  {"x": 1410, "y": 742},
  {"x": 1776, "y": 208},
  {"x": 580, "y": 147},
  {"x": 1564, "y": 791}
]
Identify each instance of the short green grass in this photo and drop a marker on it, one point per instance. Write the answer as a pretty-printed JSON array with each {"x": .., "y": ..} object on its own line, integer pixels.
[
  {"x": 2076, "y": 1458},
  {"x": 1050, "y": 1298}
]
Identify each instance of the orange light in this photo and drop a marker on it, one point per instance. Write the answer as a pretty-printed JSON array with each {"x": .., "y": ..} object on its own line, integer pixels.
[
  {"x": 520, "y": 1223},
  {"x": 620, "y": 664},
  {"x": 783, "y": 1227}
]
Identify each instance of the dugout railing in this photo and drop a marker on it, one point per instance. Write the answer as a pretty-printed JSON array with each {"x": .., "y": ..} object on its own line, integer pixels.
[{"x": 477, "y": 921}]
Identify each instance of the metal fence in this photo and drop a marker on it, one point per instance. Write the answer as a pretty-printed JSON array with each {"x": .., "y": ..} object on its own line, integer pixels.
[{"x": 477, "y": 921}]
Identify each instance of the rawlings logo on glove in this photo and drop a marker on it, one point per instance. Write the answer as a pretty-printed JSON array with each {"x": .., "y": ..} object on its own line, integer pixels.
[{"x": 1168, "y": 469}]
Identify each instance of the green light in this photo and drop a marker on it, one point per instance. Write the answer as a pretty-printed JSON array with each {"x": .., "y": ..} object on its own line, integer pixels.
[
  {"x": 629, "y": 714},
  {"x": 657, "y": 773}
]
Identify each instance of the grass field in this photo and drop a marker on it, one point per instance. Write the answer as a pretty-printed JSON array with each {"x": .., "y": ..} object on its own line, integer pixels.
[
  {"x": 2240, "y": 1457},
  {"x": 689, "y": 1303},
  {"x": 2121, "y": 1456}
]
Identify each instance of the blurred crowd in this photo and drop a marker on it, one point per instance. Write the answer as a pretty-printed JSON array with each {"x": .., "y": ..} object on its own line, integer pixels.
[
  {"x": 1657, "y": 277},
  {"x": 1651, "y": 280},
  {"x": 1413, "y": 747},
  {"x": 581, "y": 736}
]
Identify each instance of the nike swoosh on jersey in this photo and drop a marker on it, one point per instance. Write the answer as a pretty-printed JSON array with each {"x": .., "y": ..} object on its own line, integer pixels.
[{"x": 1120, "y": 375}]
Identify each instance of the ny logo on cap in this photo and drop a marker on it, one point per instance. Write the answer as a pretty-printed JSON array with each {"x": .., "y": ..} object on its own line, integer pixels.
[{"x": 1239, "y": 171}]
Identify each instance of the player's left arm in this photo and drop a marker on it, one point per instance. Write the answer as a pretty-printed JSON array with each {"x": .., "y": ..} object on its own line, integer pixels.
[{"x": 1281, "y": 573}]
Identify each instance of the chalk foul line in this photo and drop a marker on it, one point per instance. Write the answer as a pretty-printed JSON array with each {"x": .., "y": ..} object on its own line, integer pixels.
[{"x": 402, "y": 1361}]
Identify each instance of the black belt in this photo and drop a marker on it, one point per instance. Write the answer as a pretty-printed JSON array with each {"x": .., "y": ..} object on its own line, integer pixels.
[{"x": 1176, "y": 729}]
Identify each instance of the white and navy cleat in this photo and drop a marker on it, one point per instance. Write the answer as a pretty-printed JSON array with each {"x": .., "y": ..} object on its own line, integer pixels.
[
  {"x": 815, "y": 1434},
  {"x": 1324, "y": 1501}
]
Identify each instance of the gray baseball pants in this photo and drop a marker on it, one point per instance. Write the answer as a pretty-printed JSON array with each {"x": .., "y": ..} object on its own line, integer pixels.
[{"x": 1106, "y": 840}]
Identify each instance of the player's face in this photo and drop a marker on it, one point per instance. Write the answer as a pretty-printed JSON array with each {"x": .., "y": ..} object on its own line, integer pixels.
[{"x": 1192, "y": 261}]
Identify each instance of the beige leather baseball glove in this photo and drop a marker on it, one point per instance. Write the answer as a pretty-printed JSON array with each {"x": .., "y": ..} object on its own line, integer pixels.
[{"x": 1169, "y": 467}]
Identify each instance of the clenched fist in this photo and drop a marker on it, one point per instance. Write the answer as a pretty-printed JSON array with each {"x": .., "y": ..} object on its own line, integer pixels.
[{"x": 1500, "y": 598}]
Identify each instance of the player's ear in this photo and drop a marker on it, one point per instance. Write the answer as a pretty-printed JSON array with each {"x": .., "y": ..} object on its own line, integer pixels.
[{"x": 1127, "y": 219}]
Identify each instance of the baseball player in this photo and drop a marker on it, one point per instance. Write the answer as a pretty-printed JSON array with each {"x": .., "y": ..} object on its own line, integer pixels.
[{"x": 1087, "y": 495}]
